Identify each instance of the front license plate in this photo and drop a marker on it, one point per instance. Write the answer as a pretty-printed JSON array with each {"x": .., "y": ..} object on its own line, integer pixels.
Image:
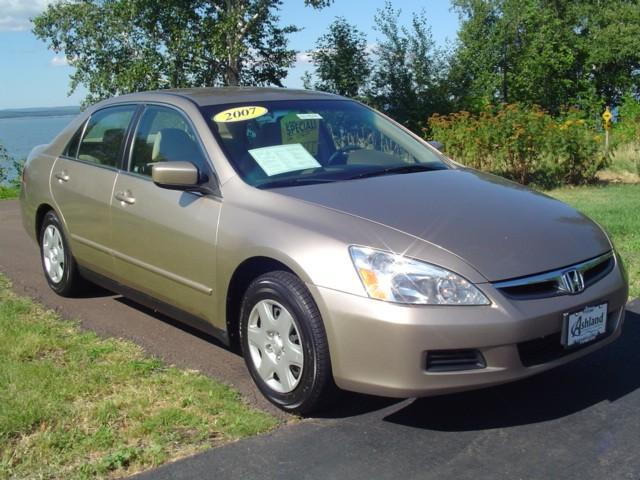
[{"x": 585, "y": 325}]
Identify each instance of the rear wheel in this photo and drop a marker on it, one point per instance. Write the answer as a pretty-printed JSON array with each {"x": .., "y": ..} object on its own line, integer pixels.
[
  {"x": 59, "y": 266},
  {"x": 284, "y": 344}
]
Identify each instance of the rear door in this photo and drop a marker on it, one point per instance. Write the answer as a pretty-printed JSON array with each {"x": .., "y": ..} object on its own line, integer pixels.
[
  {"x": 82, "y": 183},
  {"x": 164, "y": 240}
]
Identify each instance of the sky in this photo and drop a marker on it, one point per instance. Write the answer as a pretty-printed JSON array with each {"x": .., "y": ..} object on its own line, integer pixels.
[{"x": 31, "y": 75}]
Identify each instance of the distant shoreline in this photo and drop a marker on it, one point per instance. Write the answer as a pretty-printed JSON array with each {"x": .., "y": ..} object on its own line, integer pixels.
[{"x": 39, "y": 112}]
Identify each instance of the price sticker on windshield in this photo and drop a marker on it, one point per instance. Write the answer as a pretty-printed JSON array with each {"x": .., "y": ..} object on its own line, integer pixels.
[{"x": 240, "y": 114}]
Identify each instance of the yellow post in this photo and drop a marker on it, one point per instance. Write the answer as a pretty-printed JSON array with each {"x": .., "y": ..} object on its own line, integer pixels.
[{"x": 606, "y": 117}]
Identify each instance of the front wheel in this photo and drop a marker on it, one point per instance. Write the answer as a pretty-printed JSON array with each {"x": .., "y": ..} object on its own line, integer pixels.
[{"x": 285, "y": 345}]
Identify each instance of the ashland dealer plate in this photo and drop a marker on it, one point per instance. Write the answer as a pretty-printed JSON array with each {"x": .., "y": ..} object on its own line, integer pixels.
[{"x": 584, "y": 325}]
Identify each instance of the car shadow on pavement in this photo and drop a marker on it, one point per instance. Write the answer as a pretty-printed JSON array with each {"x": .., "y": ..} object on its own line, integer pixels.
[
  {"x": 350, "y": 404},
  {"x": 174, "y": 323},
  {"x": 605, "y": 375},
  {"x": 94, "y": 291}
]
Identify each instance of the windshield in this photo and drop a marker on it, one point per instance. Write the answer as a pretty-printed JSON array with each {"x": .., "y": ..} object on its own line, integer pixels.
[{"x": 285, "y": 143}]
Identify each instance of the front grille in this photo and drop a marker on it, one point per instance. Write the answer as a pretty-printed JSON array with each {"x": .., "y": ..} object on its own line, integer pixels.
[
  {"x": 532, "y": 290},
  {"x": 598, "y": 272},
  {"x": 549, "y": 348},
  {"x": 454, "y": 360},
  {"x": 549, "y": 284}
]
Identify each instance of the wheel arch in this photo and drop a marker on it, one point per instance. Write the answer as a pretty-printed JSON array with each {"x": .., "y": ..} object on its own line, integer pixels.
[
  {"x": 247, "y": 271},
  {"x": 41, "y": 211}
]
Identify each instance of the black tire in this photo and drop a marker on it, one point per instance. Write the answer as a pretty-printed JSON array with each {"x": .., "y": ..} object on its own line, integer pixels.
[
  {"x": 71, "y": 283},
  {"x": 316, "y": 389}
]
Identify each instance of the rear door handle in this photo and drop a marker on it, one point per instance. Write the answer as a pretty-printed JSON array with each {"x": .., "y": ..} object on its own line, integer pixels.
[
  {"x": 62, "y": 176},
  {"x": 125, "y": 197}
]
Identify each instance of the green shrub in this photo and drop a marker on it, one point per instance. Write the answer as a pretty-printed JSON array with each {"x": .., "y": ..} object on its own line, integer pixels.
[
  {"x": 10, "y": 171},
  {"x": 523, "y": 143},
  {"x": 4, "y": 165}
]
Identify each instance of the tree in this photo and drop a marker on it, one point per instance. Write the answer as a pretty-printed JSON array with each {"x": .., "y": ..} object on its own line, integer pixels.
[
  {"x": 609, "y": 42},
  {"x": 549, "y": 52},
  {"x": 341, "y": 60},
  {"x": 120, "y": 46},
  {"x": 407, "y": 79}
]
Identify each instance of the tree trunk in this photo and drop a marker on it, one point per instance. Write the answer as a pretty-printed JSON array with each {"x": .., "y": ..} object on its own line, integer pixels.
[
  {"x": 505, "y": 68},
  {"x": 232, "y": 74}
]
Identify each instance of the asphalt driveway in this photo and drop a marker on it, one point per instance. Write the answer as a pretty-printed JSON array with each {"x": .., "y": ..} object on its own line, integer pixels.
[{"x": 580, "y": 421}]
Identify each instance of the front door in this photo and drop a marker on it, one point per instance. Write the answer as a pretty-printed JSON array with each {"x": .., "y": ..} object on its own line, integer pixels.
[
  {"x": 82, "y": 183},
  {"x": 164, "y": 240}
]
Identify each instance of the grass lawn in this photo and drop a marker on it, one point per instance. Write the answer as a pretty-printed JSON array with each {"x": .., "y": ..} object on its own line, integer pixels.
[
  {"x": 7, "y": 193},
  {"x": 73, "y": 405},
  {"x": 617, "y": 209}
]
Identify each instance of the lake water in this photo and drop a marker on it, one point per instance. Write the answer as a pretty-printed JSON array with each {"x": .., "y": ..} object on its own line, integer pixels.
[{"x": 19, "y": 135}]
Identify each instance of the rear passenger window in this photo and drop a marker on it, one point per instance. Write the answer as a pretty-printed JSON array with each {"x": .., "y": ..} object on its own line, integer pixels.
[
  {"x": 104, "y": 136},
  {"x": 164, "y": 135}
]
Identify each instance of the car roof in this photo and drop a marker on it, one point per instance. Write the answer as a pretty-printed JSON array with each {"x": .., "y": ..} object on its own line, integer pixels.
[{"x": 222, "y": 95}]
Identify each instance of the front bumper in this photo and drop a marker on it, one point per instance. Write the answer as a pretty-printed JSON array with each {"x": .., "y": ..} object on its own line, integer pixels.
[{"x": 380, "y": 348}]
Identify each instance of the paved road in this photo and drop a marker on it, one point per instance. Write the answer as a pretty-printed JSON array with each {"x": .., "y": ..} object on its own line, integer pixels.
[{"x": 581, "y": 421}]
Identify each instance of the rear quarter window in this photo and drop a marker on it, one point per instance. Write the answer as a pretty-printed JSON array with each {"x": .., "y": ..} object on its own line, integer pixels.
[{"x": 71, "y": 150}]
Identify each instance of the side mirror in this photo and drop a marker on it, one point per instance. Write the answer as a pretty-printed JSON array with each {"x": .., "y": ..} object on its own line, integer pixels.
[
  {"x": 436, "y": 144},
  {"x": 175, "y": 175}
]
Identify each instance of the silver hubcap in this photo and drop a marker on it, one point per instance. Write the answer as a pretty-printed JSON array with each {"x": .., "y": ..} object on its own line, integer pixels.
[
  {"x": 53, "y": 253},
  {"x": 275, "y": 346}
]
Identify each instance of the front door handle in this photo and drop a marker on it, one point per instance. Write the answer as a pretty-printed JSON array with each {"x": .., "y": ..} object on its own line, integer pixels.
[
  {"x": 125, "y": 197},
  {"x": 62, "y": 176}
]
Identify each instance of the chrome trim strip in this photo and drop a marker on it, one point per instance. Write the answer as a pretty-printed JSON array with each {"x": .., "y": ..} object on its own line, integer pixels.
[
  {"x": 138, "y": 263},
  {"x": 555, "y": 275},
  {"x": 92, "y": 244}
]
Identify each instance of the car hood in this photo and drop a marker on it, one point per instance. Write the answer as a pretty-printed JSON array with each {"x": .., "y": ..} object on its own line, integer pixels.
[{"x": 502, "y": 229}]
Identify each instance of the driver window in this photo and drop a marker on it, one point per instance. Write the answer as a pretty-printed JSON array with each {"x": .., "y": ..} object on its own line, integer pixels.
[{"x": 164, "y": 135}]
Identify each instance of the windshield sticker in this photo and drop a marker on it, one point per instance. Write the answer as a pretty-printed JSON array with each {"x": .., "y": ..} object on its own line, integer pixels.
[
  {"x": 305, "y": 132},
  {"x": 283, "y": 158},
  {"x": 240, "y": 114},
  {"x": 309, "y": 116}
]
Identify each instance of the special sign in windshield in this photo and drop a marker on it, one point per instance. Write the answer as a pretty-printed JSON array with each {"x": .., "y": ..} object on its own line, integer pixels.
[{"x": 301, "y": 128}]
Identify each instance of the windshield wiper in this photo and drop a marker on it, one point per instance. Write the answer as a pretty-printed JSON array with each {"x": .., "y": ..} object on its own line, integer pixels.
[
  {"x": 290, "y": 182},
  {"x": 415, "y": 167}
]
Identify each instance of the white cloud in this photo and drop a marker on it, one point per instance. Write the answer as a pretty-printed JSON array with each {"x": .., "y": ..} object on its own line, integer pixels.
[
  {"x": 303, "y": 57},
  {"x": 10, "y": 24},
  {"x": 15, "y": 15},
  {"x": 59, "y": 61}
]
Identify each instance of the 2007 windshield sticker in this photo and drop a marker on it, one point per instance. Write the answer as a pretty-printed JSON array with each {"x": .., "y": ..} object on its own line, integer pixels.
[{"x": 240, "y": 114}]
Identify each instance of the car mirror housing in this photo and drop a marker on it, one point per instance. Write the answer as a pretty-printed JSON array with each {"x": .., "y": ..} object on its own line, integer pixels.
[{"x": 176, "y": 175}]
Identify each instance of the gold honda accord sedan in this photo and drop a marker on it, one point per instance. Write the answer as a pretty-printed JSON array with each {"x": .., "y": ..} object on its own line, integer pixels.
[{"x": 337, "y": 249}]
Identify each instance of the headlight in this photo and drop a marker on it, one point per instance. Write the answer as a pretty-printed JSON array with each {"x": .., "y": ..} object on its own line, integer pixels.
[{"x": 394, "y": 278}]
